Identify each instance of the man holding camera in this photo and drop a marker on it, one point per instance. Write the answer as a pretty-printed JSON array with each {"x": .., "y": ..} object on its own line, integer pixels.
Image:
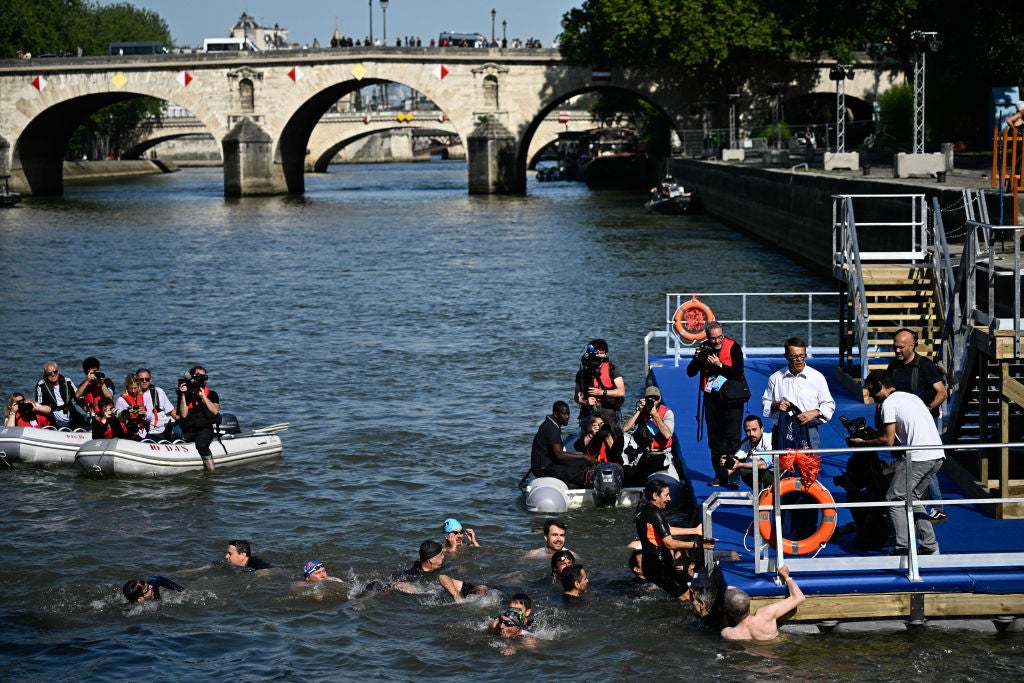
[
  {"x": 719, "y": 359},
  {"x": 95, "y": 387},
  {"x": 906, "y": 421},
  {"x": 599, "y": 382},
  {"x": 750, "y": 456},
  {"x": 652, "y": 423},
  {"x": 199, "y": 411}
]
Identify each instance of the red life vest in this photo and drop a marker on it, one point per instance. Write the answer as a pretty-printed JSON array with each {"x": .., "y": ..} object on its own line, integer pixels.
[
  {"x": 725, "y": 355},
  {"x": 39, "y": 421},
  {"x": 598, "y": 449},
  {"x": 659, "y": 442},
  {"x": 109, "y": 433},
  {"x": 92, "y": 400}
]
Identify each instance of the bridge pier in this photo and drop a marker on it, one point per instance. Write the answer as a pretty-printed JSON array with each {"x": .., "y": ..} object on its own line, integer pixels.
[
  {"x": 491, "y": 156},
  {"x": 249, "y": 168}
]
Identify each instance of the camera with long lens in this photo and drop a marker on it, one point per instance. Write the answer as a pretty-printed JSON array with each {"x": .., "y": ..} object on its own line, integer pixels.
[
  {"x": 857, "y": 428},
  {"x": 98, "y": 376},
  {"x": 194, "y": 384},
  {"x": 26, "y": 410},
  {"x": 604, "y": 429}
]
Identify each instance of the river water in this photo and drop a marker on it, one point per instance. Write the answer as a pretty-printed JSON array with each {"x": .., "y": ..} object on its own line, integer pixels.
[{"x": 414, "y": 337}]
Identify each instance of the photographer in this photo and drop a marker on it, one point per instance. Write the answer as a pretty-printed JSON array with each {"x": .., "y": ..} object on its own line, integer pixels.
[
  {"x": 107, "y": 425},
  {"x": 21, "y": 412},
  {"x": 95, "y": 387},
  {"x": 719, "y": 359},
  {"x": 750, "y": 456},
  {"x": 131, "y": 409},
  {"x": 650, "y": 426},
  {"x": 198, "y": 411},
  {"x": 602, "y": 439},
  {"x": 599, "y": 382}
]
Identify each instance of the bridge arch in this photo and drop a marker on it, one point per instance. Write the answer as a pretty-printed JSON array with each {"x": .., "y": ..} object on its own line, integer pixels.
[{"x": 41, "y": 146}]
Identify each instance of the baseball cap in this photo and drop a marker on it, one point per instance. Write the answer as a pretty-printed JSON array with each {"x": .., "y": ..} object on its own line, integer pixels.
[
  {"x": 652, "y": 391},
  {"x": 311, "y": 567},
  {"x": 429, "y": 549},
  {"x": 451, "y": 524}
]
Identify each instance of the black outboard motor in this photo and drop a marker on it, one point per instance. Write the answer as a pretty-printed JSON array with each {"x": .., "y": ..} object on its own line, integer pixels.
[
  {"x": 608, "y": 478},
  {"x": 228, "y": 424}
]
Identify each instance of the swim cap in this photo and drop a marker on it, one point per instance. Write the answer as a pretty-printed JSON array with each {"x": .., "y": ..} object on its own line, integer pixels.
[
  {"x": 515, "y": 615},
  {"x": 451, "y": 524},
  {"x": 311, "y": 567},
  {"x": 429, "y": 549}
]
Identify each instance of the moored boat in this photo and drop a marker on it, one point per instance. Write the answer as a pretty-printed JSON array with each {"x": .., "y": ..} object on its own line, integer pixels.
[
  {"x": 143, "y": 458},
  {"x": 7, "y": 196},
  {"x": 40, "y": 446}
]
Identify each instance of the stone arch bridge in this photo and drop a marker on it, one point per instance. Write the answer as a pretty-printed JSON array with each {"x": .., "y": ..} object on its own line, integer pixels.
[{"x": 263, "y": 107}]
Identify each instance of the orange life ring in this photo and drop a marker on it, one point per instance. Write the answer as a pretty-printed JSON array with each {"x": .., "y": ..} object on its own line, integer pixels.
[
  {"x": 820, "y": 537},
  {"x": 690, "y": 318}
]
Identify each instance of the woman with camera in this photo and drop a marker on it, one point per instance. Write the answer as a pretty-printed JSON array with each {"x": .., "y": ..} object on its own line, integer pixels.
[
  {"x": 21, "y": 412},
  {"x": 602, "y": 439},
  {"x": 106, "y": 425},
  {"x": 131, "y": 408}
]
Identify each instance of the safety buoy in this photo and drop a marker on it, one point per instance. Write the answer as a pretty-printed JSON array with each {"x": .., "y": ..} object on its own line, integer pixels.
[
  {"x": 820, "y": 537},
  {"x": 690, "y": 318}
]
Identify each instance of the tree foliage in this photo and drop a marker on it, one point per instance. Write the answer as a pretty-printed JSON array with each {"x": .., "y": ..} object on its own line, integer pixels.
[
  {"x": 720, "y": 47},
  {"x": 49, "y": 26}
]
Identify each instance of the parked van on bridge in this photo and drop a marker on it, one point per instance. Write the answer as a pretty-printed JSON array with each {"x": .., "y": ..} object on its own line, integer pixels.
[
  {"x": 145, "y": 47},
  {"x": 229, "y": 45}
]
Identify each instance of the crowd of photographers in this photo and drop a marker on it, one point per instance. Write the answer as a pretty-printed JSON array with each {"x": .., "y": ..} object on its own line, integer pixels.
[{"x": 141, "y": 411}]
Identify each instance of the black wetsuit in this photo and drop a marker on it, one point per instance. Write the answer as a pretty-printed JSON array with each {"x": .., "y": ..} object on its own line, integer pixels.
[
  {"x": 158, "y": 582},
  {"x": 658, "y": 563}
]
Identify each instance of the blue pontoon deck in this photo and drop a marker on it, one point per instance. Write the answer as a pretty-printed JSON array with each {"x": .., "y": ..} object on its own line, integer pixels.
[{"x": 980, "y": 570}]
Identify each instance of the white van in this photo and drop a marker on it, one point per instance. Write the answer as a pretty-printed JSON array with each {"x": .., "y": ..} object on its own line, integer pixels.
[{"x": 229, "y": 45}]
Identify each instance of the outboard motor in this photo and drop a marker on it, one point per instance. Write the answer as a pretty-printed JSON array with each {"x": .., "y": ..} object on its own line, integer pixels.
[
  {"x": 608, "y": 479},
  {"x": 228, "y": 424},
  {"x": 547, "y": 494}
]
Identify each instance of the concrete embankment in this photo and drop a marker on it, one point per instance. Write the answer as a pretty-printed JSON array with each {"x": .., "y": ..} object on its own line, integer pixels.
[
  {"x": 87, "y": 170},
  {"x": 791, "y": 210}
]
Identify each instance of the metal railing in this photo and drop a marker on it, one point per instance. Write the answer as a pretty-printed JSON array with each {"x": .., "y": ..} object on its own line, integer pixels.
[
  {"x": 912, "y": 232},
  {"x": 847, "y": 268},
  {"x": 983, "y": 270},
  {"x": 911, "y": 563},
  {"x": 734, "y": 309}
]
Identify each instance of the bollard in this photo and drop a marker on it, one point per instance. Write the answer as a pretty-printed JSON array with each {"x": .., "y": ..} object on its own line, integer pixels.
[
  {"x": 940, "y": 177},
  {"x": 865, "y": 169}
]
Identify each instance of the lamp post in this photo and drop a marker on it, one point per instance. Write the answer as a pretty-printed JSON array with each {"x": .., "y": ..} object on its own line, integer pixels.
[
  {"x": 494, "y": 13},
  {"x": 840, "y": 73},
  {"x": 733, "y": 98},
  {"x": 384, "y": 14},
  {"x": 504, "y": 26},
  {"x": 924, "y": 42},
  {"x": 371, "y": 22}
]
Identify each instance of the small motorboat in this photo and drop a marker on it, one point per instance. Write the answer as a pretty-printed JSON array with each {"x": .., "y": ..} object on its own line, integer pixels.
[
  {"x": 551, "y": 495},
  {"x": 40, "y": 446},
  {"x": 147, "y": 458},
  {"x": 7, "y": 196},
  {"x": 670, "y": 198}
]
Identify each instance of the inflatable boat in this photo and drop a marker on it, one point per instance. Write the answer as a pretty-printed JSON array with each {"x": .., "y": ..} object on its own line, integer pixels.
[
  {"x": 551, "y": 495},
  {"x": 149, "y": 459},
  {"x": 40, "y": 446}
]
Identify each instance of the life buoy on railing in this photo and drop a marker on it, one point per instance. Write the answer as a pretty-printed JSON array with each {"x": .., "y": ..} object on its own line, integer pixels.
[
  {"x": 820, "y": 537},
  {"x": 690, "y": 318}
]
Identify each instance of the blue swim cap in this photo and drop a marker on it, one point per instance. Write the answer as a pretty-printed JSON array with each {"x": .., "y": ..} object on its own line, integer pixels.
[
  {"x": 311, "y": 567},
  {"x": 451, "y": 524}
]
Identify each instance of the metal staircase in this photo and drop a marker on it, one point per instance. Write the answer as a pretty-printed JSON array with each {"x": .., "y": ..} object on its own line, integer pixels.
[{"x": 963, "y": 301}]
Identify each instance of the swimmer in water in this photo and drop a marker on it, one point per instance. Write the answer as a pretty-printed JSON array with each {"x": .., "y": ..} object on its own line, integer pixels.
[{"x": 140, "y": 590}]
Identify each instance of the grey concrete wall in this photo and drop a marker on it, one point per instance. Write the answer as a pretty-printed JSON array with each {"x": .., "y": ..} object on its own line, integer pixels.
[{"x": 792, "y": 211}]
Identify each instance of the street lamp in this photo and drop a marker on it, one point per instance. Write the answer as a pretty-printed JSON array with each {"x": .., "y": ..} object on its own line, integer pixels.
[
  {"x": 494, "y": 13},
  {"x": 840, "y": 73},
  {"x": 371, "y": 22},
  {"x": 384, "y": 13},
  {"x": 504, "y": 25}
]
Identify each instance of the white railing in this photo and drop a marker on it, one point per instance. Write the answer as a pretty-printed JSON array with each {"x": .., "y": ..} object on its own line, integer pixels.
[
  {"x": 911, "y": 563},
  {"x": 733, "y": 311},
  {"x": 910, "y": 234}
]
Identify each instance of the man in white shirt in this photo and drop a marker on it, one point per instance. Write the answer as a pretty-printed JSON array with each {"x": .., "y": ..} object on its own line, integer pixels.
[
  {"x": 750, "y": 456},
  {"x": 798, "y": 387},
  {"x": 906, "y": 421},
  {"x": 162, "y": 411}
]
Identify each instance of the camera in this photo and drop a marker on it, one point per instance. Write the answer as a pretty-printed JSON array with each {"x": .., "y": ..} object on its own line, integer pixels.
[
  {"x": 99, "y": 376},
  {"x": 605, "y": 428},
  {"x": 857, "y": 428}
]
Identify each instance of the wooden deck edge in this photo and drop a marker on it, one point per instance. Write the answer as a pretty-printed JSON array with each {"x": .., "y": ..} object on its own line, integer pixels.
[{"x": 869, "y": 606}]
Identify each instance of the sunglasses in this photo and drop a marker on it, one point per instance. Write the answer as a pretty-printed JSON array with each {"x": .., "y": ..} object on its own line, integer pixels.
[
  {"x": 508, "y": 622},
  {"x": 51, "y": 372},
  {"x": 144, "y": 379}
]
